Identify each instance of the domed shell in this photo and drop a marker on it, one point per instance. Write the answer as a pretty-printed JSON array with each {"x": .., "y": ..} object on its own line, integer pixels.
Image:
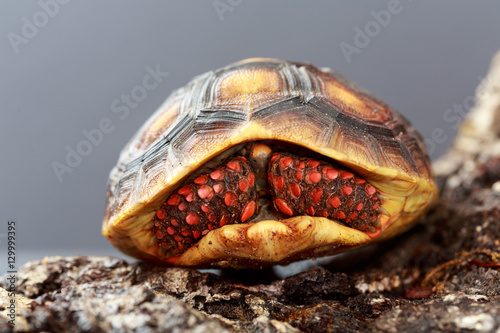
[{"x": 266, "y": 99}]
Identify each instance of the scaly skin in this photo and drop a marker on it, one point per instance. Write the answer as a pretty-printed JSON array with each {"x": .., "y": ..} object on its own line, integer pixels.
[
  {"x": 298, "y": 185},
  {"x": 305, "y": 186},
  {"x": 227, "y": 195}
]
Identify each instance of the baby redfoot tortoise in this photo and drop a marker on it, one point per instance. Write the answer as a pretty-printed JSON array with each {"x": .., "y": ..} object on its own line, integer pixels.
[{"x": 265, "y": 162}]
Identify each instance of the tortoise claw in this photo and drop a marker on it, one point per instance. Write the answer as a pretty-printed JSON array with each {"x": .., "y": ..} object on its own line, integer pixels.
[{"x": 383, "y": 211}]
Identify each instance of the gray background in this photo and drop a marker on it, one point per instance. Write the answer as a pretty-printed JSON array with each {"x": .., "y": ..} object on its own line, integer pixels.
[{"x": 63, "y": 80}]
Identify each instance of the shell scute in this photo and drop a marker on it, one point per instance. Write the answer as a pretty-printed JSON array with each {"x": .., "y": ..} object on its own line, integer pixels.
[{"x": 249, "y": 88}]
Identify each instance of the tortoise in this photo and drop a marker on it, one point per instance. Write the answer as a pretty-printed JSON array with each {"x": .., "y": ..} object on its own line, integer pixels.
[{"x": 266, "y": 162}]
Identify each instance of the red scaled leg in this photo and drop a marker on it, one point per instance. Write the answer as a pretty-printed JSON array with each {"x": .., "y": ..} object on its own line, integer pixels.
[
  {"x": 227, "y": 195},
  {"x": 306, "y": 186}
]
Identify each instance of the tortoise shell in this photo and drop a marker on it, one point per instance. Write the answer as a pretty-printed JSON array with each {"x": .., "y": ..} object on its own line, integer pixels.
[{"x": 285, "y": 104}]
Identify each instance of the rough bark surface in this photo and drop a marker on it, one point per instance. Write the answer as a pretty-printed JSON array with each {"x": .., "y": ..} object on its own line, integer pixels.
[{"x": 443, "y": 275}]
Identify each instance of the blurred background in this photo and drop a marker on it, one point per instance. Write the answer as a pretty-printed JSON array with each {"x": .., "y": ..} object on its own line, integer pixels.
[{"x": 67, "y": 67}]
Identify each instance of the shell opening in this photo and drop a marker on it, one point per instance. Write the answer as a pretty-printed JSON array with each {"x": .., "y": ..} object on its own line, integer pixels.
[{"x": 283, "y": 184}]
